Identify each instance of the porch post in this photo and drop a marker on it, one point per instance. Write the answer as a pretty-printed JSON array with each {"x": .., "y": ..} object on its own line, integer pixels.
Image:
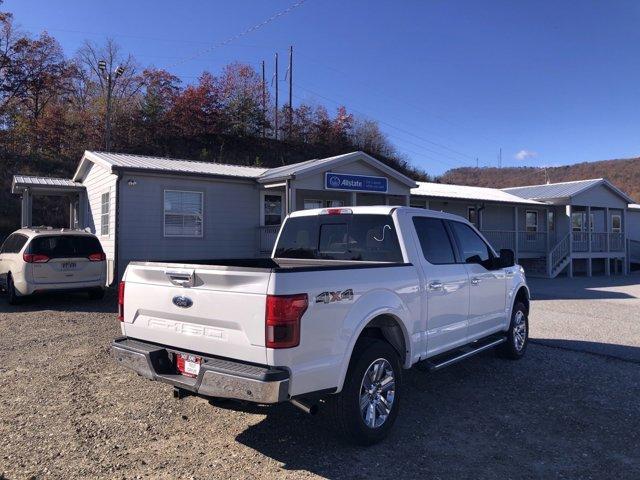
[
  {"x": 287, "y": 198},
  {"x": 515, "y": 227},
  {"x": 607, "y": 245},
  {"x": 407, "y": 201},
  {"x": 72, "y": 210},
  {"x": 589, "y": 235},
  {"x": 626, "y": 268},
  {"x": 25, "y": 214},
  {"x": 569, "y": 214},
  {"x": 353, "y": 199},
  {"x": 546, "y": 221}
]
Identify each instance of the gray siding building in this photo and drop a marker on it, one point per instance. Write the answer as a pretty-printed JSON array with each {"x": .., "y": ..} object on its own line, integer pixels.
[{"x": 152, "y": 208}]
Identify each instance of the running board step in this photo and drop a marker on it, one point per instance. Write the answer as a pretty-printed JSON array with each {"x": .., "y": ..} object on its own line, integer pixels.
[{"x": 445, "y": 360}]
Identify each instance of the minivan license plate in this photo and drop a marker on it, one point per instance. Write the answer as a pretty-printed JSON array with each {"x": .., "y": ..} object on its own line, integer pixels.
[{"x": 69, "y": 265}]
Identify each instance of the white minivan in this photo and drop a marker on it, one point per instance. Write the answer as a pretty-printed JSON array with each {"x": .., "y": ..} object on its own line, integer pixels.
[{"x": 35, "y": 260}]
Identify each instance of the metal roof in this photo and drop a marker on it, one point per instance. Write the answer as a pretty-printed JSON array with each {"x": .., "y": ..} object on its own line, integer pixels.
[
  {"x": 311, "y": 166},
  {"x": 141, "y": 162},
  {"x": 484, "y": 194},
  {"x": 564, "y": 189},
  {"x": 21, "y": 182}
]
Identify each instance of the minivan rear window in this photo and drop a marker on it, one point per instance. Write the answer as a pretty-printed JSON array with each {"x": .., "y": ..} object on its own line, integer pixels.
[
  {"x": 65, "y": 246},
  {"x": 368, "y": 238}
]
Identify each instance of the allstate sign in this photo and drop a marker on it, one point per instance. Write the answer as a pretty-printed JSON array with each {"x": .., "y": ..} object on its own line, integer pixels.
[{"x": 357, "y": 183}]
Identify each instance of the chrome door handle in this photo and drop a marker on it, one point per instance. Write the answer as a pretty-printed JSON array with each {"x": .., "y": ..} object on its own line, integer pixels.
[
  {"x": 475, "y": 281},
  {"x": 433, "y": 286}
]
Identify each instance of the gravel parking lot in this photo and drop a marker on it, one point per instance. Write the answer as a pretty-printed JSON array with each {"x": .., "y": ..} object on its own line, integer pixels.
[{"x": 570, "y": 409}]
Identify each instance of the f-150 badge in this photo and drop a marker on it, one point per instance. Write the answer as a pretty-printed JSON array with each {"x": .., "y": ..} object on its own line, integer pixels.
[{"x": 339, "y": 296}]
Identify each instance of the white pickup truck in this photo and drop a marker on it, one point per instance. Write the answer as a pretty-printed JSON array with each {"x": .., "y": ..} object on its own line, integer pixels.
[{"x": 349, "y": 298}]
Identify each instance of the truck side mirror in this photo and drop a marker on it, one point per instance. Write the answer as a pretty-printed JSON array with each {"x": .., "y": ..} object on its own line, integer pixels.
[{"x": 507, "y": 258}]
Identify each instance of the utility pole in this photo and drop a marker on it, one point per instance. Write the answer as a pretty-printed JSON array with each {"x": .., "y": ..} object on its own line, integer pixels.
[
  {"x": 264, "y": 103},
  {"x": 290, "y": 92},
  {"x": 111, "y": 78},
  {"x": 500, "y": 158},
  {"x": 276, "y": 116}
]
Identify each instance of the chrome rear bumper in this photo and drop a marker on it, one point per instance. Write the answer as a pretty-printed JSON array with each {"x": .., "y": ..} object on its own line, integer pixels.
[{"x": 217, "y": 377}]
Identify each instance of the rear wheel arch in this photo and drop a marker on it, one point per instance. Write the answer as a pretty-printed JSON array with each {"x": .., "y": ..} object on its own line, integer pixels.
[{"x": 386, "y": 327}]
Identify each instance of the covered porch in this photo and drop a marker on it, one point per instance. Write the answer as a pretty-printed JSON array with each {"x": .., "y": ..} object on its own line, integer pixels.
[
  {"x": 353, "y": 179},
  {"x": 29, "y": 187}
]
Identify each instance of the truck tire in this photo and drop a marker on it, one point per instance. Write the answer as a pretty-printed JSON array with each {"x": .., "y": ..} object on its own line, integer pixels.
[
  {"x": 517, "y": 335},
  {"x": 12, "y": 295},
  {"x": 366, "y": 408}
]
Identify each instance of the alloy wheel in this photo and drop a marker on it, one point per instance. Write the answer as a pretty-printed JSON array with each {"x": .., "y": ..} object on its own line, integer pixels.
[{"x": 377, "y": 393}]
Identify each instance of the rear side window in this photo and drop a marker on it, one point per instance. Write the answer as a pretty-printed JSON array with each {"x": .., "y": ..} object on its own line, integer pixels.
[
  {"x": 434, "y": 240},
  {"x": 472, "y": 247},
  {"x": 368, "y": 238},
  {"x": 13, "y": 243},
  {"x": 65, "y": 246}
]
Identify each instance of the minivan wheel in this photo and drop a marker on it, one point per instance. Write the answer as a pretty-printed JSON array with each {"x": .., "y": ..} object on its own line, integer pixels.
[
  {"x": 12, "y": 295},
  {"x": 366, "y": 408},
  {"x": 96, "y": 293},
  {"x": 517, "y": 335}
]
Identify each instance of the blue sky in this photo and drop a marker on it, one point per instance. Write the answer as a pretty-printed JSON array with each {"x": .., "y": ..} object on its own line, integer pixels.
[{"x": 550, "y": 83}]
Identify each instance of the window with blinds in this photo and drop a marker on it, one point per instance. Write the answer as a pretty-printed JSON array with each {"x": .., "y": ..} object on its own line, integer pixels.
[
  {"x": 104, "y": 215},
  {"x": 182, "y": 213}
]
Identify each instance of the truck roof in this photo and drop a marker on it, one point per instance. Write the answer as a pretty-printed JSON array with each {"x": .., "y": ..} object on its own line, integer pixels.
[{"x": 379, "y": 210}]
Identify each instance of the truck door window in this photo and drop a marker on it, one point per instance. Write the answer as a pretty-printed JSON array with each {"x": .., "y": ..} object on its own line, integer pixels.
[
  {"x": 472, "y": 247},
  {"x": 434, "y": 240}
]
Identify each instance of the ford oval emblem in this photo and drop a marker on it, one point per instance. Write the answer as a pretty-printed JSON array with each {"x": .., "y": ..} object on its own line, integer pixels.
[{"x": 182, "y": 301}]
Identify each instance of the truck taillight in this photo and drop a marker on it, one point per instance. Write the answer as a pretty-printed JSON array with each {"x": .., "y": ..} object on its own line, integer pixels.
[
  {"x": 35, "y": 258},
  {"x": 283, "y": 314},
  {"x": 121, "y": 301}
]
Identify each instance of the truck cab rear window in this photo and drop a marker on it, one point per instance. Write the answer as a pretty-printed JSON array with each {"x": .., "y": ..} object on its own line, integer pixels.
[
  {"x": 368, "y": 238},
  {"x": 65, "y": 246}
]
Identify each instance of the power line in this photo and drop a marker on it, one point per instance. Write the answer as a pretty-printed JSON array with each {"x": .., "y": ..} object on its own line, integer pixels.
[
  {"x": 247, "y": 31},
  {"x": 391, "y": 126}
]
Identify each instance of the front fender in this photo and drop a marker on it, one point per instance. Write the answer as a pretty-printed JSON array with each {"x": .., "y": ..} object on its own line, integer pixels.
[
  {"x": 374, "y": 304},
  {"x": 517, "y": 282}
]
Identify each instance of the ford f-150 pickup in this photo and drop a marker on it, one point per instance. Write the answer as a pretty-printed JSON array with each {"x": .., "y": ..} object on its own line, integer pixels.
[{"x": 349, "y": 298}]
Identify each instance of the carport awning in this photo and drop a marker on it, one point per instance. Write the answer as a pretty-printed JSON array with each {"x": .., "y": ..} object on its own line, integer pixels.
[{"x": 45, "y": 185}]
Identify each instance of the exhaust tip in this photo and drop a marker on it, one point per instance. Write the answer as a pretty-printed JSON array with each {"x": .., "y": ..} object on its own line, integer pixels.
[{"x": 310, "y": 408}]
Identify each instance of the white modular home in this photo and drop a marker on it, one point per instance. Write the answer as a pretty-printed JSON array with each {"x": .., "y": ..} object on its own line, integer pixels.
[{"x": 152, "y": 208}]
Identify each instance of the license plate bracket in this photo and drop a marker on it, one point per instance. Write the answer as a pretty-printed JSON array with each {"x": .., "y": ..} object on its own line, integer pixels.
[{"x": 188, "y": 365}]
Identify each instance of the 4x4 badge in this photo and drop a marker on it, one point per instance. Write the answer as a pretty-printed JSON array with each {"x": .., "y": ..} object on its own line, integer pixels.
[{"x": 339, "y": 296}]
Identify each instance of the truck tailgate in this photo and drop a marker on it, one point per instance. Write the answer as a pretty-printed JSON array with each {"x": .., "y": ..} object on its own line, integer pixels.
[{"x": 213, "y": 310}]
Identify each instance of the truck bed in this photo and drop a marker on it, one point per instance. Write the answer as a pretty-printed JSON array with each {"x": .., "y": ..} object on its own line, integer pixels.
[{"x": 271, "y": 264}]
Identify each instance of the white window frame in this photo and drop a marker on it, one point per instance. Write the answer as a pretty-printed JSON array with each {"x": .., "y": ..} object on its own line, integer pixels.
[
  {"x": 616, "y": 229},
  {"x": 263, "y": 194},
  {"x": 107, "y": 213},
  {"x": 582, "y": 216},
  {"x": 537, "y": 225},
  {"x": 551, "y": 221},
  {"x": 164, "y": 213}
]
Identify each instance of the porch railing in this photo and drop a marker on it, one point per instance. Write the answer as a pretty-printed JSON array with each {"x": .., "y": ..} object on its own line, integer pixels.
[
  {"x": 598, "y": 241},
  {"x": 616, "y": 242},
  {"x": 267, "y": 237},
  {"x": 580, "y": 241},
  {"x": 500, "y": 239},
  {"x": 557, "y": 256},
  {"x": 532, "y": 242},
  {"x": 634, "y": 251}
]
